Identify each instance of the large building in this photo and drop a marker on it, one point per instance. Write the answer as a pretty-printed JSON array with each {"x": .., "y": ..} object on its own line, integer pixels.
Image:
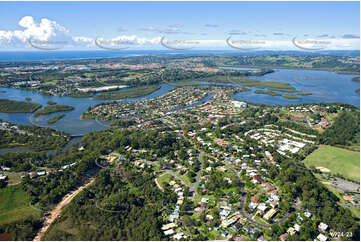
[{"x": 239, "y": 104}]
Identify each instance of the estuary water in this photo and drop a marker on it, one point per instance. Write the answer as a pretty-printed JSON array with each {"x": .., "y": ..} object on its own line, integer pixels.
[
  {"x": 324, "y": 86},
  {"x": 71, "y": 122}
]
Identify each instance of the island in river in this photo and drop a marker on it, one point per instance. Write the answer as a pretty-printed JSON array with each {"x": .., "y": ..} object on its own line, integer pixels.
[
  {"x": 55, "y": 119},
  {"x": 53, "y": 109},
  {"x": 11, "y": 106}
]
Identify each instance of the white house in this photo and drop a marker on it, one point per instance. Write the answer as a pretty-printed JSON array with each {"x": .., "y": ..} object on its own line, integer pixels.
[
  {"x": 321, "y": 237},
  {"x": 323, "y": 227}
]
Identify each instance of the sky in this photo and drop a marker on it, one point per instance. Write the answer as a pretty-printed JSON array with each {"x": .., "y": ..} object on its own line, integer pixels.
[{"x": 180, "y": 25}]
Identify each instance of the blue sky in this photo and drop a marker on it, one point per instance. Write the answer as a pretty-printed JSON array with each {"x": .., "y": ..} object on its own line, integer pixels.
[{"x": 140, "y": 25}]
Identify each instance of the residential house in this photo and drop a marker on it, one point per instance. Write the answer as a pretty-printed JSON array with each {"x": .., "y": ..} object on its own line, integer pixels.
[
  {"x": 321, "y": 237},
  {"x": 3, "y": 177},
  {"x": 238, "y": 238},
  {"x": 307, "y": 214},
  {"x": 283, "y": 237},
  {"x": 178, "y": 236},
  {"x": 270, "y": 214},
  {"x": 41, "y": 173},
  {"x": 262, "y": 207},
  {"x": 254, "y": 199},
  {"x": 252, "y": 205},
  {"x": 297, "y": 227},
  {"x": 261, "y": 238},
  {"x": 169, "y": 232},
  {"x": 274, "y": 204},
  {"x": 4, "y": 168},
  {"x": 323, "y": 227},
  {"x": 291, "y": 231},
  {"x": 257, "y": 179},
  {"x": 169, "y": 226}
]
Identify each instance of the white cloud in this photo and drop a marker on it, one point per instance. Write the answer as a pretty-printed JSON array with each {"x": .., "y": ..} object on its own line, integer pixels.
[
  {"x": 46, "y": 30},
  {"x": 49, "y": 31}
]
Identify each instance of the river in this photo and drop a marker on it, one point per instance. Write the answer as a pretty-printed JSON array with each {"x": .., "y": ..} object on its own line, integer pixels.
[
  {"x": 71, "y": 122},
  {"x": 325, "y": 87}
]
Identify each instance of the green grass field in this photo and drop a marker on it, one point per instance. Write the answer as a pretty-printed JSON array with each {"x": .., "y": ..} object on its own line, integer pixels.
[
  {"x": 164, "y": 178},
  {"x": 186, "y": 179},
  {"x": 337, "y": 160},
  {"x": 14, "y": 179},
  {"x": 261, "y": 220},
  {"x": 14, "y": 205}
]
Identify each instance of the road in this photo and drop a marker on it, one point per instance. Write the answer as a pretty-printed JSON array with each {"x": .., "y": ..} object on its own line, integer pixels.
[
  {"x": 58, "y": 209},
  {"x": 242, "y": 211},
  {"x": 307, "y": 121},
  {"x": 176, "y": 176},
  {"x": 193, "y": 189}
]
